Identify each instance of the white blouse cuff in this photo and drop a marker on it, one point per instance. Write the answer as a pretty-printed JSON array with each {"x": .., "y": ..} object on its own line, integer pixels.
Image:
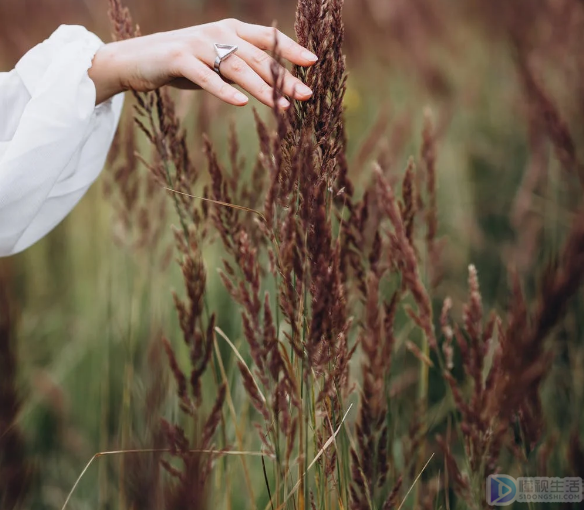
[{"x": 69, "y": 44}]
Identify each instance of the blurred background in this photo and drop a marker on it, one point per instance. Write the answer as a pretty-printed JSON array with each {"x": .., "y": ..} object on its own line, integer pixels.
[{"x": 89, "y": 308}]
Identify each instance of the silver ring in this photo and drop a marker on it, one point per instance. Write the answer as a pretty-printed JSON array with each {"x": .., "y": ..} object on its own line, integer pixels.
[{"x": 223, "y": 51}]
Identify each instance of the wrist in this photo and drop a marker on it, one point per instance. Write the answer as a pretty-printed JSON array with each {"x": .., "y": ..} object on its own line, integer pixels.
[{"x": 106, "y": 73}]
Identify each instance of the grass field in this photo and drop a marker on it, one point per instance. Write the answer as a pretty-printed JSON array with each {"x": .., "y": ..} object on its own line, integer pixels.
[{"x": 398, "y": 316}]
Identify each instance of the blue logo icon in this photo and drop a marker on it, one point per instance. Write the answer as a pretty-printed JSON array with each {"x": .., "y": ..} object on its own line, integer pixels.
[{"x": 501, "y": 490}]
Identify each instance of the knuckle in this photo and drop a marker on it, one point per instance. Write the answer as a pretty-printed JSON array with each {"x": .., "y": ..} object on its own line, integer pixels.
[
  {"x": 216, "y": 27},
  {"x": 197, "y": 39},
  {"x": 236, "y": 65},
  {"x": 177, "y": 53},
  {"x": 266, "y": 91},
  {"x": 265, "y": 37},
  {"x": 204, "y": 78},
  {"x": 271, "y": 35},
  {"x": 260, "y": 57},
  {"x": 225, "y": 90},
  {"x": 230, "y": 23}
]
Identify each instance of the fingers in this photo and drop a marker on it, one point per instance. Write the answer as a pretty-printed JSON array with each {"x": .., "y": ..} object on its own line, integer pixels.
[
  {"x": 264, "y": 38},
  {"x": 251, "y": 67},
  {"x": 197, "y": 72},
  {"x": 237, "y": 70},
  {"x": 262, "y": 63}
]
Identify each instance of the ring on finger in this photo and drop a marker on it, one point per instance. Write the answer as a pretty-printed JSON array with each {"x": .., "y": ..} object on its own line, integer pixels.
[{"x": 223, "y": 51}]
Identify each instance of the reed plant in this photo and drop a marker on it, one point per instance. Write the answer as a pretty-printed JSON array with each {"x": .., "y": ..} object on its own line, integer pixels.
[
  {"x": 338, "y": 367},
  {"x": 320, "y": 278}
]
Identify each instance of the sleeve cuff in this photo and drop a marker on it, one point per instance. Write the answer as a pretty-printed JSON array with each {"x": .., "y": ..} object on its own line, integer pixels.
[{"x": 35, "y": 64}]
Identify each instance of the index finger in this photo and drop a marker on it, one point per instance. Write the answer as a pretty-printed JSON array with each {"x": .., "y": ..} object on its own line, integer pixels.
[{"x": 265, "y": 37}]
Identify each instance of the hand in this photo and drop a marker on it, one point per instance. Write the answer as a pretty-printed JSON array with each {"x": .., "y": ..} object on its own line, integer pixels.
[{"x": 184, "y": 58}]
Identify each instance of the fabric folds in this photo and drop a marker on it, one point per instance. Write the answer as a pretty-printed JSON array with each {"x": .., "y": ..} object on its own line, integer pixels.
[{"x": 53, "y": 139}]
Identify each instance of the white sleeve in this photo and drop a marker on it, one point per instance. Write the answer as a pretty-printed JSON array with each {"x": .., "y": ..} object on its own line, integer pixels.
[{"x": 53, "y": 139}]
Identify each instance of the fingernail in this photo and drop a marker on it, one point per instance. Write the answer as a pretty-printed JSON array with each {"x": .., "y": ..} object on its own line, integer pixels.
[
  {"x": 240, "y": 98},
  {"x": 304, "y": 90},
  {"x": 309, "y": 56},
  {"x": 283, "y": 102}
]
